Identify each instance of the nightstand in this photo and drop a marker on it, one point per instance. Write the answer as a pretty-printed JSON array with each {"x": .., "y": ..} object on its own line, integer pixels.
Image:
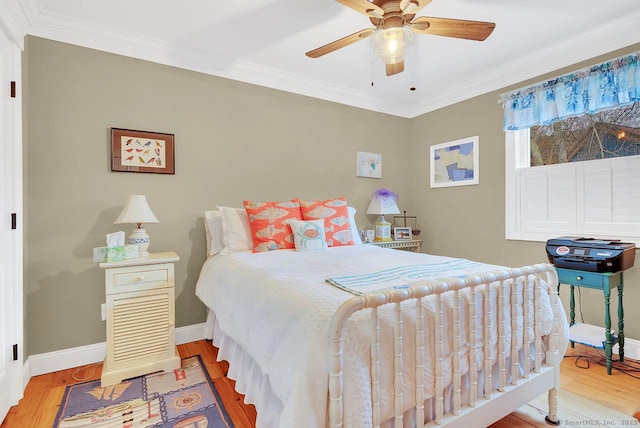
[
  {"x": 413, "y": 245},
  {"x": 604, "y": 281},
  {"x": 140, "y": 318}
]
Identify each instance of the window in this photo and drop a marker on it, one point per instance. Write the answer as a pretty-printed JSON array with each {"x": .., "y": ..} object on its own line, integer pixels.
[
  {"x": 577, "y": 176},
  {"x": 602, "y": 135}
]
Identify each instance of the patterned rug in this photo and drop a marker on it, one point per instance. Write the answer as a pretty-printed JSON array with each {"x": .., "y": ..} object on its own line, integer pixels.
[{"x": 183, "y": 398}]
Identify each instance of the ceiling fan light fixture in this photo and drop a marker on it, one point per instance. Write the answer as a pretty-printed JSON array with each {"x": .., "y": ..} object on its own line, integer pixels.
[{"x": 391, "y": 44}]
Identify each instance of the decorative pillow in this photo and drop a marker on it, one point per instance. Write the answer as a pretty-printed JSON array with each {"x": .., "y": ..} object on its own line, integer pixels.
[
  {"x": 354, "y": 227},
  {"x": 214, "y": 232},
  {"x": 336, "y": 219},
  {"x": 308, "y": 235},
  {"x": 267, "y": 221},
  {"x": 236, "y": 230}
]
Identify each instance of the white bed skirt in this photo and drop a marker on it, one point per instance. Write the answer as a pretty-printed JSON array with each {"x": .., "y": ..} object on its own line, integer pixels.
[
  {"x": 249, "y": 378},
  {"x": 256, "y": 388}
]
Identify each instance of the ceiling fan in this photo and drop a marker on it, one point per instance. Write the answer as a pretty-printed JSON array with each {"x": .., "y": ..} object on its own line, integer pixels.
[{"x": 395, "y": 27}]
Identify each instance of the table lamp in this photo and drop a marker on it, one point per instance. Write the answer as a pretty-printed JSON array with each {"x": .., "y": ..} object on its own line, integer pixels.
[
  {"x": 383, "y": 202},
  {"x": 137, "y": 211}
]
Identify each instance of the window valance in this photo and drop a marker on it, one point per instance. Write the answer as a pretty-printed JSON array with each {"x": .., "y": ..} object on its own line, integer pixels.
[{"x": 599, "y": 87}]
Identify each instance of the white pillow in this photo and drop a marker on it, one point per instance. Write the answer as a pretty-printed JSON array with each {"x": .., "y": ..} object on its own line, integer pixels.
[
  {"x": 214, "y": 232},
  {"x": 308, "y": 234},
  {"x": 236, "y": 230},
  {"x": 354, "y": 227}
]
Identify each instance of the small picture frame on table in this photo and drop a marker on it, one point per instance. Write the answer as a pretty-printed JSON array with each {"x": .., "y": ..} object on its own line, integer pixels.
[
  {"x": 402, "y": 233},
  {"x": 142, "y": 151},
  {"x": 369, "y": 236}
]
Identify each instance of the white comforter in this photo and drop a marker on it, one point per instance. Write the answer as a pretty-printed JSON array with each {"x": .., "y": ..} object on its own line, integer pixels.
[{"x": 277, "y": 306}]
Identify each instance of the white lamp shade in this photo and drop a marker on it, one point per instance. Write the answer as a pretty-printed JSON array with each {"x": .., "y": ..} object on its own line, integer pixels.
[
  {"x": 136, "y": 210},
  {"x": 383, "y": 205}
]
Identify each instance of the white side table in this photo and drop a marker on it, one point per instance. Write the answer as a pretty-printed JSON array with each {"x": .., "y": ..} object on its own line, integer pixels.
[
  {"x": 140, "y": 317},
  {"x": 412, "y": 245}
]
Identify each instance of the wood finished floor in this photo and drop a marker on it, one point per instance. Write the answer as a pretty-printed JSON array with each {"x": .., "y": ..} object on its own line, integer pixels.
[{"x": 618, "y": 393}]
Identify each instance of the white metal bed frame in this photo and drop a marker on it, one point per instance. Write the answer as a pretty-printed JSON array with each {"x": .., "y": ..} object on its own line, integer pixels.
[{"x": 513, "y": 390}]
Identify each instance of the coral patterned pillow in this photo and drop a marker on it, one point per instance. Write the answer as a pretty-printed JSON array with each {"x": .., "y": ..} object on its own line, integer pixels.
[
  {"x": 268, "y": 222},
  {"x": 336, "y": 219}
]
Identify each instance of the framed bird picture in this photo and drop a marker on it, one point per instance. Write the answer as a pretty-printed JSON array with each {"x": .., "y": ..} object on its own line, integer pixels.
[{"x": 142, "y": 151}]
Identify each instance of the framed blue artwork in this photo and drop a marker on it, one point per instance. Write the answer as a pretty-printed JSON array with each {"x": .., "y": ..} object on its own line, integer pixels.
[{"x": 455, "y": 163}]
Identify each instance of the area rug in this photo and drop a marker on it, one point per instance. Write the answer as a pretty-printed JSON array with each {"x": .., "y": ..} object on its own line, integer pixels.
[{"x": 183, "y": 398}]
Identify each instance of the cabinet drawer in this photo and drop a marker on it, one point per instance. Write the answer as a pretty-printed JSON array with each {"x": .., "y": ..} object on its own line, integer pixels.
[
  {"x": 588, "y": 279},
  {"x": 139, "y": 278}
]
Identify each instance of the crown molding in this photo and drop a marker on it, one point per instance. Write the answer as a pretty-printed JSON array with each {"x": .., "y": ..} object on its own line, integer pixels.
[
  {"x": 15, "y": 20},
  {"x": 584, "y": 46},
  {"x": 90, "y": 35}
]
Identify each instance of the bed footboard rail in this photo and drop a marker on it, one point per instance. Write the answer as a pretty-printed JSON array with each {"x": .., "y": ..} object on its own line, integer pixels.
[{"x": 508, "y": 284}]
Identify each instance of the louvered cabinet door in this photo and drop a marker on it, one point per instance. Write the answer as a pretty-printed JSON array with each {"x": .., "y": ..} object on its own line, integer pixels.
[{"x": 140, "y": 321}]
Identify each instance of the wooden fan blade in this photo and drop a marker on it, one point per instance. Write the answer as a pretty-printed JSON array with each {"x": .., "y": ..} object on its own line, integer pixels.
[
  {"x": 341, "y": 43},
  {"x": 411, "y": 7},
  {"x": 365, "y": 7},
  {"x": 394, "y": 68},
  {"x": 459, "y": 28}
]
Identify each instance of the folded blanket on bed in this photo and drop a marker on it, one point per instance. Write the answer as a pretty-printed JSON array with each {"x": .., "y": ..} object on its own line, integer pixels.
[{"x": 402, "y": 275}]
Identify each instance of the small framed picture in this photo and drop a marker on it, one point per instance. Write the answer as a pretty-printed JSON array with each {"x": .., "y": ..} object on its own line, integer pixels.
[
  {"x": 402, "y": 233},
  {"x": 142, "y": 151},
  {"x": 369, "y": 236},
  {"x": 368, "y": 165}
]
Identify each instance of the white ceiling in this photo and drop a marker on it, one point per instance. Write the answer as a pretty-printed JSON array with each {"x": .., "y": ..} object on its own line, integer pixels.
[{"x": 264, "y": 41}]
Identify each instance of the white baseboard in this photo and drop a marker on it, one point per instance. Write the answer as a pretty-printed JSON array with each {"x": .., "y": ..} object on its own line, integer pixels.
[
  {"x": 631, "y": 349},
  {"x": 73, "y": 357},
  {"x": 592, "y": 335}
]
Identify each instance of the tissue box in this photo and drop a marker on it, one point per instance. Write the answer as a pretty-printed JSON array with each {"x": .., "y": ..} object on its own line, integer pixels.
[
  {"x": 100, "y": 254},
  {"x": 115, "y": 254}
]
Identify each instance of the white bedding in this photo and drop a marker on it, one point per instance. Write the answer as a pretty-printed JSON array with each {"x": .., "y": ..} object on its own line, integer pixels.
[{"x": 277, "y": 307}]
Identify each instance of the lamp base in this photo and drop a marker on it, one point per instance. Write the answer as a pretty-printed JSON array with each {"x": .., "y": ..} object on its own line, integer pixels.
[
  {"x": 383, "y": 231},
  {"x": 140, "y": 238}
]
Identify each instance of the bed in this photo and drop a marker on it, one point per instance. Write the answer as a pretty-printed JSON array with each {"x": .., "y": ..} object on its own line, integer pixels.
[{"x": 361, "y": 336}]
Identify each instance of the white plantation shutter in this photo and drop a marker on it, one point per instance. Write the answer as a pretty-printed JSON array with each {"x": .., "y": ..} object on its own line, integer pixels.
[
  {"x": 610, "y": 197},
  {"x": 547, "y": 198},
  {"x": 599, "y": 199}
]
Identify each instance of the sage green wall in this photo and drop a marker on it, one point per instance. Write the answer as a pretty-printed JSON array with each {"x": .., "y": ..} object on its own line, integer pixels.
[
  {"x": 234, "y": 141},
  {"x": 469, "y": 221}
]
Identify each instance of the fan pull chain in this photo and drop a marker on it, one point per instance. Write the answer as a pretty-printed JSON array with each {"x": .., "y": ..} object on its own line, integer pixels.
[
  {"x": 412, "y": 88},
  {"x": 371, "y": 57}
]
